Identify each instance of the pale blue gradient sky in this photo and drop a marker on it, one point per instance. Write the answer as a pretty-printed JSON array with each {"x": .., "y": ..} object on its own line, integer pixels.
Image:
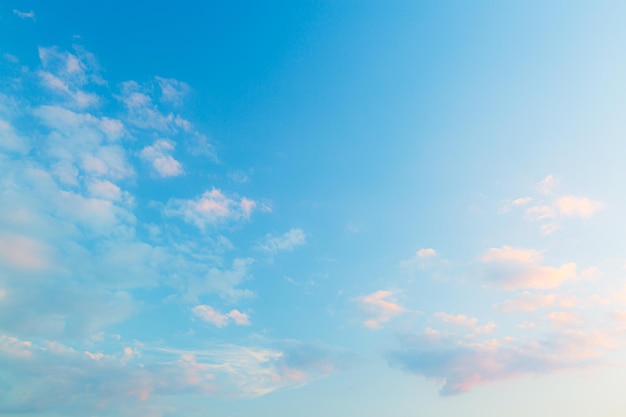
[{"x": 312, "y": 208}]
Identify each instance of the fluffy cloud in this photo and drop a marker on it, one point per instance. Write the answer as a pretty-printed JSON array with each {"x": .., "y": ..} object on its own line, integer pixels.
[
  {"x": 578, "y": 206},
  {"x": 158, "y": 155},
  {"x": 286, "y": 242},
  {"x": 513, "y": 268},
  {"x": 460, "y": 366}
]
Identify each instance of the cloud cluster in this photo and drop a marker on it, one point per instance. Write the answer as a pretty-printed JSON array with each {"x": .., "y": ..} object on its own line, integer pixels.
[
  {"x": 460, "y": 366},
  {"x": 551, "y": 211}
]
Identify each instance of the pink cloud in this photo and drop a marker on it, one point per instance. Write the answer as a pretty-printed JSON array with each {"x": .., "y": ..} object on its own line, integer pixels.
[
  {"x": 578, "y": 206},
  {"x": 462, "y": 366},
  {"x": 211, "y": 208},
  {"x": 528, "y": 301},
  {"x": 382, "y": 307},
  {"x": 512, "y": 269},
  {"x": 210, "y": 315}
]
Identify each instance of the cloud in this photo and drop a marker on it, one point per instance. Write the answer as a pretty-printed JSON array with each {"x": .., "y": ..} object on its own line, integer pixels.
[
  {"x": 11, "y": 141},
  {"x": 68, "y": 74},
  {"x": 527, "y": 302},
  {"x": 426, "y": 253},
  {"x": 513, "y": 268},
  {"x": 24, "y": 15},
  {"x": 460, "y": 366},
  {"x": 211, "y": 208},
  {"x": 224, "y": 282},
  {"x": 522, "y": 201},
  {"x": 117, "y": 383},
  {"x": 158, "y": 155},
  {"x": 381, "y": 306},
  {"x": 286, "y": 242},
  {"x": 210, "y": 315},
  {"x": 578, "y": 206},
  {"x": 548, "y": 184},
  {"x": 173, "y": 91},
  {"x": 463, "y": 321}
]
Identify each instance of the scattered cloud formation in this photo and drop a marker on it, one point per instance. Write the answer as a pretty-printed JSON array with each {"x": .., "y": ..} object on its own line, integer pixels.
[
  {"x": 381, "y": 306},
  {"x": 552, "y": 211},
  {"x": 513, "y": 268}
]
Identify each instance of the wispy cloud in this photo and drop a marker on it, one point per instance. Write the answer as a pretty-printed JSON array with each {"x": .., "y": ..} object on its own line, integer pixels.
[
  {"x": 24, "y": 15},
  {"x": 286, "y": 242},
  {"x": 126, "y": 384},
  {"x": 548, "y": 184},
  {"x": 382, "y": 307}
]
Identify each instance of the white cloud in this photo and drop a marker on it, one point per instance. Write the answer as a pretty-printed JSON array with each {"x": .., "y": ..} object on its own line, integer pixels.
[
  {"x": 224, "y": 282},
  {"x": 173, "y": 91},
  {"x": 159, "y": 156},
  {"x": 514, "y": 268},
  {"x": 68, "y": 74},
  {"x": 286, "y": 242},
  {"x": 11, "y": 141}
]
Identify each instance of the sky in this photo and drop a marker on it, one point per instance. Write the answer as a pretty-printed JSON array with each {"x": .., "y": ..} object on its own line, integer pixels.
[{"x": 285, "y": 208}]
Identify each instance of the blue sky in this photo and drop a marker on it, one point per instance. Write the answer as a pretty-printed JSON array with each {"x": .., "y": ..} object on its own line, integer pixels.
[{"x": 312, "y": 208}]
